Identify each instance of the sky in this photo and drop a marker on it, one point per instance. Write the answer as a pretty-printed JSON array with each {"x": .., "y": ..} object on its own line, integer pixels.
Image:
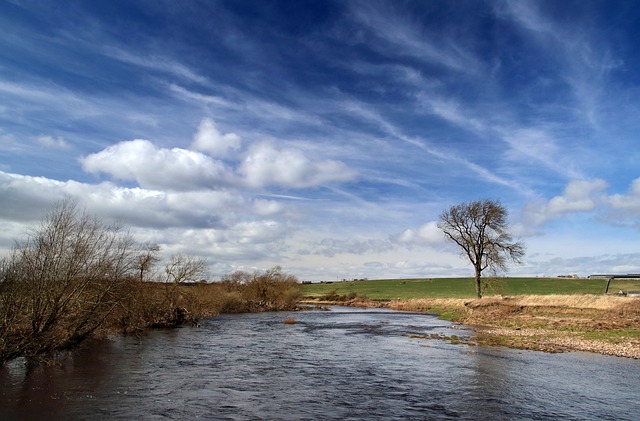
[{"x": 327, "y": 137}]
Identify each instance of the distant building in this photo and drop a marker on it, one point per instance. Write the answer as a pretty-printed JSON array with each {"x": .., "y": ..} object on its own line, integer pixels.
[{"x": 615, "y": 276}]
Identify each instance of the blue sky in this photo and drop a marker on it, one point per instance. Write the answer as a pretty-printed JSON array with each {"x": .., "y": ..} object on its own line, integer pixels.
[{"x": 327, "y": 137}]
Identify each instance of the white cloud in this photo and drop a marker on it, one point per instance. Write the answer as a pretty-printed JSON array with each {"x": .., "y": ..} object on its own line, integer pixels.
[
  {"x": 331, "y": 247},
  {"x": 216, "y": 224},
  {"x": 427, "y": 234},
  {"x": 26, "y": 198},
  {"x": 264, "y": 165},
  {"x": 582, "y": 265},
  {"x": 209, "y": 139},
  {"x": 267, "y": 207},
  {"x": 53, "y": 142},
  {"x": 629, "y": 203},
  {"x": 254, "y": 241},
  {"x": 152, "y": 167},
  {"x": 578, "y": 196},
  {"x": 257, "y": 232}
]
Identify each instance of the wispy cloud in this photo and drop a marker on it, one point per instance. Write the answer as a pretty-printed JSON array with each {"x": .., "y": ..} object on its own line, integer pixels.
[
  {"x": 38, "y": 96},
  {"x": 397, "y": 33},
  {"x": 539, "y": 146},
  {"x": 196, "y": 96},
  {"x": 157, "y": 63},
  {"x": 391, "y": 130},
  {"x": 585, "y": 60},
  {"x": 525, "y": 143},
  {"x": 57, "y": 142}
]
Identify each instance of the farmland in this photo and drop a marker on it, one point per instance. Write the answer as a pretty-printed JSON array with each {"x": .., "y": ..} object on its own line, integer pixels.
[{"x": 405, "y": 289}]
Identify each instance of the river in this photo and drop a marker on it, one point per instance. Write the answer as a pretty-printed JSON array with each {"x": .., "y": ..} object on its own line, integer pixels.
[{"x": 343, "y": 364}]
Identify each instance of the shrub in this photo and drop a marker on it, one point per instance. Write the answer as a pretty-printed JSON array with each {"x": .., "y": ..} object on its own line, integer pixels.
[
  {"x": 61, "y": 283},
  {"x": 270, "y": 290},
  {"x": 350, "y": 296}
]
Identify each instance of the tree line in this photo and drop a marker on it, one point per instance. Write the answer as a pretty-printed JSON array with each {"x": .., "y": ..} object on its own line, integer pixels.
[{"x": 76, "y": 276}]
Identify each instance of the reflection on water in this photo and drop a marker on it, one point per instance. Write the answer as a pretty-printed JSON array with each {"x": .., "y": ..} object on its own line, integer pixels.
[{"x": 345, "y": 364}]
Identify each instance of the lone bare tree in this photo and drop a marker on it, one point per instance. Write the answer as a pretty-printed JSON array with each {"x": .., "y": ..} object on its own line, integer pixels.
[{"x": 479, "y": 228}]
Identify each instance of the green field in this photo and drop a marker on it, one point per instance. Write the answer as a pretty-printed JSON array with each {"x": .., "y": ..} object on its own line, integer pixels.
[{"x": 388, "y": 289}]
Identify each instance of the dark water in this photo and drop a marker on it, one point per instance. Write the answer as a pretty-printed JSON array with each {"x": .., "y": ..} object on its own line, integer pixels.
[{"x": 345, "y": 364}]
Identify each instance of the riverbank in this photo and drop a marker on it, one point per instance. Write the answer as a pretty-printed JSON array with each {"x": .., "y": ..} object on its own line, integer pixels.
[{"x": 607, "y": 325}]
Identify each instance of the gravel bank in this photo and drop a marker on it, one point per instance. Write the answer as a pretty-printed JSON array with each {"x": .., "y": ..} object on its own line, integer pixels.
[
  {"x": 556, "y": 341},
  {"x": 601, "y": 324}
]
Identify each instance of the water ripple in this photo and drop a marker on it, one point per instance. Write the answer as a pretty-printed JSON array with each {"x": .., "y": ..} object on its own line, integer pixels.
[{"x": 346, "y": 364}]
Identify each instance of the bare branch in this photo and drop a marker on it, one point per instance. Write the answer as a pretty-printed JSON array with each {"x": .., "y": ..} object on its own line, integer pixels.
[{"x": 480, "y": 229}]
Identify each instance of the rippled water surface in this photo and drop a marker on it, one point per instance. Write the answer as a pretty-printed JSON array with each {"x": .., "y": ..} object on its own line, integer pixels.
[{"x": 343, "y": 364}]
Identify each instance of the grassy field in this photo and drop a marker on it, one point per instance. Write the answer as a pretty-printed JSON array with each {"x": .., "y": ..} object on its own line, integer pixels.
[{"x": 404, "y": 289}]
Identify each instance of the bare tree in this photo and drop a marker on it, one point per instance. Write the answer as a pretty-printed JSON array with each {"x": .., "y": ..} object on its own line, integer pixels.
[
  {"x": 181, "y": 269},
  {"x": 272, "y": 289},
  {"x": 146, "y": 259},
  {"x": 62, "y": 282},
  {"x": 479, "y": 228},
  {"x": 137, "y": 308},
  {"x": 178, "y": 271}
]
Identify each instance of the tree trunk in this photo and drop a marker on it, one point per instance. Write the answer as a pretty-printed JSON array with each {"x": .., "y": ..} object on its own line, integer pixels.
[{"x": 478, "y": 283}]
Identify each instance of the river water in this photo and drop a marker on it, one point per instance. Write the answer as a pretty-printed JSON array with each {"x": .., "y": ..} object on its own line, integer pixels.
[{"x": 343, "y": 364}]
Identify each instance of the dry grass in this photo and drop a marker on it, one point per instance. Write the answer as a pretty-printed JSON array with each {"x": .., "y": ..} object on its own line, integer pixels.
[
  {"x": 600, "y": 302},
  {"x": 603, "y": 324},
  {"x": 428, "y": 302}
]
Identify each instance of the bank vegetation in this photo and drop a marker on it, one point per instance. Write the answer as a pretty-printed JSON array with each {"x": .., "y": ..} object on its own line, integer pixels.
[{"x": 75, "y": 276}]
